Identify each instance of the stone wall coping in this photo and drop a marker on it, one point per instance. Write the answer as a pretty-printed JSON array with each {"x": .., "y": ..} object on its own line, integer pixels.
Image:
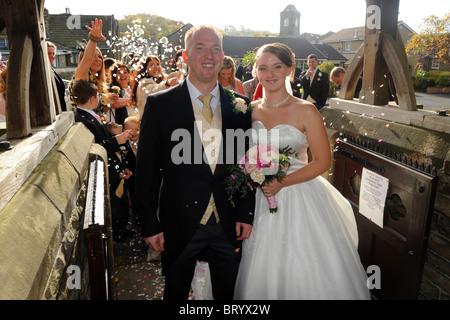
[
  {"x": 420, "y": 118},
  {"x": 17, "y": 164}
]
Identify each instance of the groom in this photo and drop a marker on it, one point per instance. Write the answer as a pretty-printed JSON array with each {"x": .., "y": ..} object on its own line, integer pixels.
[{"x": 196, "y": 220}]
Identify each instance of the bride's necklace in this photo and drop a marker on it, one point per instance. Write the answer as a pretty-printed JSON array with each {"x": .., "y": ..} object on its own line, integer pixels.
[{"x": 277, "y": 104}]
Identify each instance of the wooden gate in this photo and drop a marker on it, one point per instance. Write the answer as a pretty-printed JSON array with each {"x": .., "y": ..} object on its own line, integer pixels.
[{"x": 398, "y": 247}]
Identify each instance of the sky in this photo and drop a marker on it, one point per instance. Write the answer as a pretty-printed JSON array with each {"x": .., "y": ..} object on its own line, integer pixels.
[{"x": 317, "y": 16}]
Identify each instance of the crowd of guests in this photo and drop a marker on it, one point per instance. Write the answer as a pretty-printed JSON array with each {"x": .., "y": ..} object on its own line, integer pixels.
[{"x": 108, "y": 96}]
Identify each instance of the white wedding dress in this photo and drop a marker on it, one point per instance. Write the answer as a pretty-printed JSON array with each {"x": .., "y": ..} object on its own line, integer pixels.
[{"x": 306, "y": 250}]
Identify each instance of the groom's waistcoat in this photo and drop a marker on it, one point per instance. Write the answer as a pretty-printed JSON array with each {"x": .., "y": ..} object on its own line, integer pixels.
[{"x": 211, "y": 146}]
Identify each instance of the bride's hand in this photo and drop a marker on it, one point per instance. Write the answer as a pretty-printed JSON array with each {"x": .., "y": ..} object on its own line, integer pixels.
[{"x": 272, "y": 188}]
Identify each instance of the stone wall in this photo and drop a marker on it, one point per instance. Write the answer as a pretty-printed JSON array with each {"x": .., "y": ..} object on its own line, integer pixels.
[
  {"x": 40, "y": 225},
  {"x": 421, "y": 144}
]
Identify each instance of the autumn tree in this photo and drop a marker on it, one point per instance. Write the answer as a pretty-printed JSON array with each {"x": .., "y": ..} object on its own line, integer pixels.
[{"x": 433, "y": 41}]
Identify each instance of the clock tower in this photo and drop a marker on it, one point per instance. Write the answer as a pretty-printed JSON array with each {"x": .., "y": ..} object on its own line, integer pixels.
[{"x": 290, "y": 22}]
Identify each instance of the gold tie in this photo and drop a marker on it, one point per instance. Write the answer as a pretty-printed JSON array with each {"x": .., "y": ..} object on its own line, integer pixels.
[
  {"x": 207, "y": 110},
  {"x": 119, "y": 190}
]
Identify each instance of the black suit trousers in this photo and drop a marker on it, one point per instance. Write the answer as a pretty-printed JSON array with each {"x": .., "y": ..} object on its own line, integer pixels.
[{"x": 211, "y": 244}]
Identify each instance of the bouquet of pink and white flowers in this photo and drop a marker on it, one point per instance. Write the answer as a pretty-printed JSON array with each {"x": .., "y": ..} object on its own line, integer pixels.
[{"x": 261, "y": 164}]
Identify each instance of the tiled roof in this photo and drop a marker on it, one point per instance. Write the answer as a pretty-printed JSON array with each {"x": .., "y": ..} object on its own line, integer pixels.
[
  {"x": 238, "y": 46},
  {"x": 330, "y": 52},
  {"x": 357, "y": 33},
  {"x": 63, "y": 31}
]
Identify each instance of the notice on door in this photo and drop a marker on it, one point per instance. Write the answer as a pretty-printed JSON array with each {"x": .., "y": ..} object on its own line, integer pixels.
[{"x": 372, "y": 196}]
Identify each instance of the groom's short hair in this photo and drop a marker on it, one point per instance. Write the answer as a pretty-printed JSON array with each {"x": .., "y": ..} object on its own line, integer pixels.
[{"x": 191, "y": 31}]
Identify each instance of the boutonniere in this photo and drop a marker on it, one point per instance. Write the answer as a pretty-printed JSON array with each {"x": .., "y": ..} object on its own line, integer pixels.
[
  {"x": 320, "y": 74},
  {"x": 123, "y": 148},
  {"x": 239, "y": 105}
]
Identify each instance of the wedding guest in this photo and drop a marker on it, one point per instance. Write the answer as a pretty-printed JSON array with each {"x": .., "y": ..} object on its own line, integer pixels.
[
  {"x": 239, "y": 70},
  {"x": 108, "y": 64},
  {"x": 61, "y": 87},
  {"x": 181, "y": 65},
  {"x": 85, "y": 96},
  {"x": 91, "y": 67},
  {"x": 248, "y": 71},
  {"x": 133, "y": 124},
  {"x": 121, "y": 172},
  {"x": 149, "y": 78},
  {"x": 227, "y": 76},
  {"x": 315, "y": 83},
  {"x": 250, "y": 87},
  {"x": 337, "y": 76},
  {"x": 120, "y": 83}
]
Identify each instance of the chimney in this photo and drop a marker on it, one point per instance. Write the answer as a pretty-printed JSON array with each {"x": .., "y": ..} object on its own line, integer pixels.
[{"x": 67, "y": 11}]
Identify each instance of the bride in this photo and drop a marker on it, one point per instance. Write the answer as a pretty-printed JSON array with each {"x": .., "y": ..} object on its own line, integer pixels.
[{"x": 308, "y": 249}]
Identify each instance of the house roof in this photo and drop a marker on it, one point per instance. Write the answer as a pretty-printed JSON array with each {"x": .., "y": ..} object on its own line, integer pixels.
[
  {"x": 65, "y": 30},
  {"x": 238, "y": 46},
  {"x": 330, "y": 52},
  {"x": 402, "y": 23},
  {"x": 356, "y": 33}
]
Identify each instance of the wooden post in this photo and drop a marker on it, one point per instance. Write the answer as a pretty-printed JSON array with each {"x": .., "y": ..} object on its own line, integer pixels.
[
  {"x": 30, "y": 100},
  {"x": 42, "y": 103},
  {"x": 375, "y": 86},
  {"x": 382, "y": 60},
  {"x": 352, "y": 75}
]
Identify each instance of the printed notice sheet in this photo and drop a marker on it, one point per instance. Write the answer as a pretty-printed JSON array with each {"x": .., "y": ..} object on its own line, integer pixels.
[{"x": 372, "y": 196}]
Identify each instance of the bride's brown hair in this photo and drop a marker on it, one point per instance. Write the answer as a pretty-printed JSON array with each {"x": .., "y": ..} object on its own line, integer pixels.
[{"x": 282, "y": 52}]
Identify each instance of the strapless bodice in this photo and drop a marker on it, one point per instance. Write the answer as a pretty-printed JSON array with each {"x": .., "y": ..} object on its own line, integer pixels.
[{"x": 281, "y": 136}]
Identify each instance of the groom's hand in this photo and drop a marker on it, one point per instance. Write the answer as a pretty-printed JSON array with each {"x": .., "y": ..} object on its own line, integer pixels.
[
  {"x": 156, "y": 242},
  {"x": 243, "y": 230}
]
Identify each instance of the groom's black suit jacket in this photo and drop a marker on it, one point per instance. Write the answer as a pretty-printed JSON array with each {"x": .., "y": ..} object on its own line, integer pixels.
[{"x": 186, "y": 188}]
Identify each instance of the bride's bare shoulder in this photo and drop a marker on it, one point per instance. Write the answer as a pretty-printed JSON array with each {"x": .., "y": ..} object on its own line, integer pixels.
[{"x": 303, "y": 105}]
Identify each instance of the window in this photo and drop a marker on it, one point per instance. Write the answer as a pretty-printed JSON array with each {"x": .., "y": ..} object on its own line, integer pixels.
[
  {"x": 347, "y": 46},
  {"x": 4, "y": 44},
  {"x": 286, "y": 22},
  {"x": 435, "y": 64}
]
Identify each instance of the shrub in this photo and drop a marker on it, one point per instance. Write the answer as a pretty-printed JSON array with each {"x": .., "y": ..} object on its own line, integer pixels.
[
  {"x": 432, "y": 74},
  {"x": 443, "y": 81},
  {"x": 423, "y": 83}
]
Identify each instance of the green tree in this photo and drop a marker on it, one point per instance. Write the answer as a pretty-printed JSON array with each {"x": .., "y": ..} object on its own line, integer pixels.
[
  {"x": 153, "y": 26},
  {"x": 250, "y": 55},
  {"x": 327, "y": 67}
]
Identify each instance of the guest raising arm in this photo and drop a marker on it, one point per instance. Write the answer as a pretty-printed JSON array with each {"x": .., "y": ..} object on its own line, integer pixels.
[{"x": 149, "y": 78}]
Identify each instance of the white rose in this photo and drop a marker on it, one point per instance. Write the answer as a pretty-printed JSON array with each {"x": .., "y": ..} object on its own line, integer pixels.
[
  {"x": 257, "y": 176},
  {"x": 240, "y": 105}
]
